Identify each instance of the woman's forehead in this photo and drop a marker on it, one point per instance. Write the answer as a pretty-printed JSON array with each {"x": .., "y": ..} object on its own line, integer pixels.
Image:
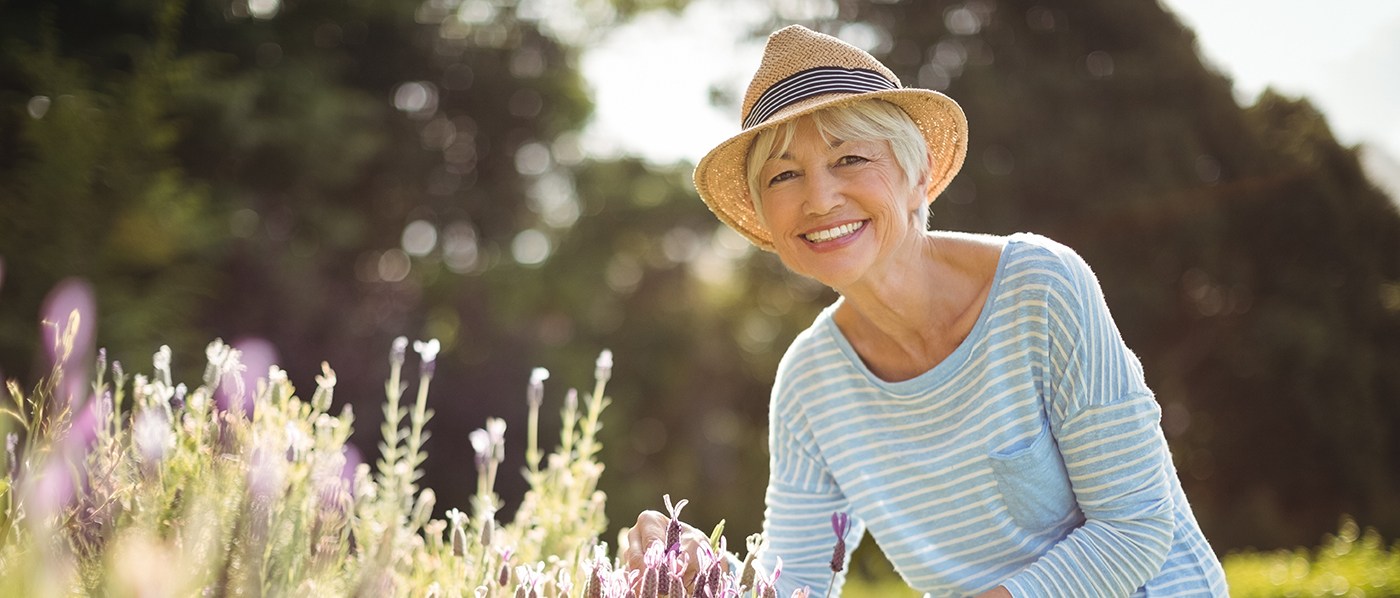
[{"x": 807, "y": 138}]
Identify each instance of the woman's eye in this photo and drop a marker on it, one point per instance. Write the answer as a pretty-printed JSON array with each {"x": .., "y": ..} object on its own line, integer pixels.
[
  {"x": 780, "y": 177},
  {"x": 849, "y": 160}
]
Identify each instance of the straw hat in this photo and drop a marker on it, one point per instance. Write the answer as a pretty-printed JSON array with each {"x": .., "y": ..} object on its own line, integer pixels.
[{"x": 802, "y": 72}]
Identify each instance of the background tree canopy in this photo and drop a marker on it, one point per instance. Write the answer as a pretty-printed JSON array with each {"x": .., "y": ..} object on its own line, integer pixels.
[{"x": 329, "y": 175}]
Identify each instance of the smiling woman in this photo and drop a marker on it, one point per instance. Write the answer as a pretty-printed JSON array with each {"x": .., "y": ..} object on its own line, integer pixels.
[{"x": 968, "y": 398}]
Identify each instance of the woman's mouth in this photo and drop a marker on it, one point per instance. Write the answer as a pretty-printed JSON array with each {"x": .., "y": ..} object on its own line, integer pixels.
[{"x": 835, "y": 232}]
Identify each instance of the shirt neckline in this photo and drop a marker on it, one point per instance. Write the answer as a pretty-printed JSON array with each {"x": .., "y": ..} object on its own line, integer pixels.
[{"x": 944, "y": 369}]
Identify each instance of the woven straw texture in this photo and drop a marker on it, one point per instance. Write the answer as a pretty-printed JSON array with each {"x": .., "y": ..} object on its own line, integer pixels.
[{"x": 720, "y": 178}]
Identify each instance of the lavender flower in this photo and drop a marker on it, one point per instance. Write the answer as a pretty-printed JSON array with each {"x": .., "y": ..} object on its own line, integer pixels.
[
  {"x": 428, "y": 351},
  {"x": 604, "y": 366},
  {"x": 177, "y": 401},
  {"x": 536, "y": 393},
  {"x": 459, "y": 532},
  {"x": 841, "y": 525},
  {"x": 397, "y": 350},
  {"x": 488, "y": 528},
  {"x": 503, "y": 577},
  {"x": 770, "y": 587},
  {"x": 673, "y": 529}
]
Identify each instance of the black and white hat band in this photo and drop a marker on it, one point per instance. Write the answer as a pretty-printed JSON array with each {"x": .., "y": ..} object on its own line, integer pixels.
[{"x": 814, "y": 82}]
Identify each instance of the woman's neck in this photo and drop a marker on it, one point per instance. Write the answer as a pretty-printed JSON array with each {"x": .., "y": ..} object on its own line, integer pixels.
[{"x": 911, "y": 314}]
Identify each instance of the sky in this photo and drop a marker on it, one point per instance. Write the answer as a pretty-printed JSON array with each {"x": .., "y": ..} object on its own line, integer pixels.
[{"x": 1348, "y": 64}]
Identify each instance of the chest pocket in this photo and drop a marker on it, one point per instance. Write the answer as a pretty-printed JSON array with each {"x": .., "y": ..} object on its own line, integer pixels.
[{"x": 1034, "y": 483}]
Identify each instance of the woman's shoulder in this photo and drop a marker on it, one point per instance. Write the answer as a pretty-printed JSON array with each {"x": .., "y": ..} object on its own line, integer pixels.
[{"x": 1031, "y": 251}]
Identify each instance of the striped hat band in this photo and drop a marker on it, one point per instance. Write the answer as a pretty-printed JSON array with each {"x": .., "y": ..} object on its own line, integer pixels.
[{"x": 811, "y": 83}]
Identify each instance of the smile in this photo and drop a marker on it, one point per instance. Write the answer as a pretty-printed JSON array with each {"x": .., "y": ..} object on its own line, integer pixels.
[{"x": 835, "y": 232}]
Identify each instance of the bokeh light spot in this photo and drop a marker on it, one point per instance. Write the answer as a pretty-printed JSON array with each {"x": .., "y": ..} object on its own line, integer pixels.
[
  {"x": 961, "y": 21},
  {"x": 419, "y": 238},
  {"x": 264, "y": 9},
  {"x": 39, "y": 106},
  {"x": 623, "y": 274},
  {"x": 531, "y": 247},
  {"x": 417, "y": 98},
  {"x": 532, "y": 159},
  {"x": 243, "y": 223},
  {"x": 459, "y": 248},
  {"x": 1099, "y": 63},
  {"x": 394, "y": 265}
]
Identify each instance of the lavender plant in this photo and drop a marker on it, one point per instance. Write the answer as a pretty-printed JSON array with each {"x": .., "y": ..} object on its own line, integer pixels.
[{"x": 241, "y": 487}]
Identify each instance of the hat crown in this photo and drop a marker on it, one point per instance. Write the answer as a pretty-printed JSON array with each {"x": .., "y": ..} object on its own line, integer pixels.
[{"x": 795, "y": 49}]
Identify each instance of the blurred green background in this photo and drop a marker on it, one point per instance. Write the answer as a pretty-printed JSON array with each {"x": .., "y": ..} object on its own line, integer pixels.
[{"x": 327, "y": 175}]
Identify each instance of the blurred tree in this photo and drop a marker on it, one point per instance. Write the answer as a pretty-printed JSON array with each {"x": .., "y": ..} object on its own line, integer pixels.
[
  {"x": 89, "y": 185},
  {"x": 322, "y": 175}
]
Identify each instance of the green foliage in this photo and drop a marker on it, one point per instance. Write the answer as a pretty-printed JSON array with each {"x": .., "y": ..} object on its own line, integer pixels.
[
  {"x": 1348, "y": 563},
  {"x": 90, "y": 186},
  {"x": 247, "y": 491}
]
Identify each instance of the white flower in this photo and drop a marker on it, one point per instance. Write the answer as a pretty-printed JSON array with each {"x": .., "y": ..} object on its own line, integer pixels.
[
  {"x": 326, "y": 380},
  {"x": 298, "y": 443},
  {"x": 481, "y": 442},
  {"x": 152, "y": 435},
  {"x": 536, "y": 392},
  {"x": 604, "y": 365},
  {"x": 162, "y": 362},
  {"x": 427, "y": 350}
]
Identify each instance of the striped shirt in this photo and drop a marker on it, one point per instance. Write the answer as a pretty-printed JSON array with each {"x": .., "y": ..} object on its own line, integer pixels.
[{"x": 1031, "y": 457}]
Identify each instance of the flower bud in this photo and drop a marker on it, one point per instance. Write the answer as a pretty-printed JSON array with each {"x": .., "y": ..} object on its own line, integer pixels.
[
  {"x": 397, "y": 350},
  {"x": 604, "y": 366}
]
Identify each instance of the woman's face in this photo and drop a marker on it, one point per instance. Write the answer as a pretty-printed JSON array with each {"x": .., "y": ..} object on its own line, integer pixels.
[{"x": 836, "y": 211}]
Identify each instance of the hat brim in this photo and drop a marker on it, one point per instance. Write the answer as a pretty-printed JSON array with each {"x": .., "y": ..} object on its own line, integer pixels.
[{"x": 721, "y": 176}]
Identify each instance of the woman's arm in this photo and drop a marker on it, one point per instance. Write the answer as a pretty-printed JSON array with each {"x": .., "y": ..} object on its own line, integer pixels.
[
  {"x": 1107, "y": 427},
  {"x": 799, "y": 502}
]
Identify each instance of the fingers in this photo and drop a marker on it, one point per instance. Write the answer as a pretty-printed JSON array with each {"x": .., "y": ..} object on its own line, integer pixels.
[{"x": 650, "y": 527}]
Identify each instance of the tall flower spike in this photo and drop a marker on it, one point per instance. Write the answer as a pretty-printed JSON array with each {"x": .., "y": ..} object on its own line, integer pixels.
[{"x": 673, "y": 529}]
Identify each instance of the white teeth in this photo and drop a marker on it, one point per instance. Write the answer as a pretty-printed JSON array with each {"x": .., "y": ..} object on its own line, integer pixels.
[{"x": 835, "y": 232}]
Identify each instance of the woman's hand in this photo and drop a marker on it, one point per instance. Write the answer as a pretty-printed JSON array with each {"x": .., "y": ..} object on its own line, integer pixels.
[{"x": 651, "y": 527}]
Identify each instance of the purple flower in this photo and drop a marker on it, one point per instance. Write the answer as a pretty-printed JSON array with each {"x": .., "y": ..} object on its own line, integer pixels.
[
  {"x": 841, "y": 525},
  {"x": 673, "y": 530}
]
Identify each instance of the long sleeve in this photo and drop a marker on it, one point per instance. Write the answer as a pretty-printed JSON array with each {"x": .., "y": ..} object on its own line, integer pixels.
[
  {"x": 800, "y": 499},
  {"x": 1107, "y": 427}
]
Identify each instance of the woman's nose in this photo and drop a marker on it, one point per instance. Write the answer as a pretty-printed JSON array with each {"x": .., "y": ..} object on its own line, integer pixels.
[{"x": 823, "y": 194}]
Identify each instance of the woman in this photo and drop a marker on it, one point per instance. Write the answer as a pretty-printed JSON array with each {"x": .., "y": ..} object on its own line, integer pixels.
[{"x": 968, "y": 398}]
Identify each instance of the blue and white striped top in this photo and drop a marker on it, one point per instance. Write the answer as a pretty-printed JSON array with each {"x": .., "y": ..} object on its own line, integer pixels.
[{"x": 1031, "y": 457}]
